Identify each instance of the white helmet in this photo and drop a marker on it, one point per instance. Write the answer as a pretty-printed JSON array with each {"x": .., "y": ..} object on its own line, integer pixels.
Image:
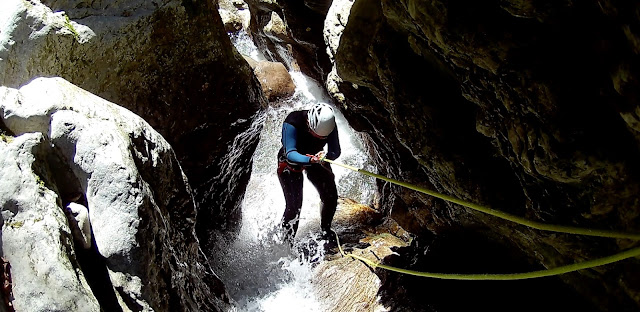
[{"x": 321, "y": 119}]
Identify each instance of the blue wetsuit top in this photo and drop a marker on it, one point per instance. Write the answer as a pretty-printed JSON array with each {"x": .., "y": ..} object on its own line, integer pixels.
[{"x": 297, "y": 141}]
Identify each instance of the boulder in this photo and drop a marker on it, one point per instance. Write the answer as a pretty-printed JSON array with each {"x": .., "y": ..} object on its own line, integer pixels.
[
  {"x": 61, "y": 141},
  {"x": 275, "y": 79},
  {"x": 234, "y": 14},
  {"x": 343, "y": 283},
  {"x": 36, "y": 239},
  {"x": 170, "y": 62},
  {"x": 276, "y": 28}
]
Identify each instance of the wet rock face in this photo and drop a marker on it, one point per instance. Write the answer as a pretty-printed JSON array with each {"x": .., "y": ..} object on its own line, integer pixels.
[
  {"x": 170, "y": 62},
  {"x": 518, "y": 105},
  {"x": 290, "y": 31}
]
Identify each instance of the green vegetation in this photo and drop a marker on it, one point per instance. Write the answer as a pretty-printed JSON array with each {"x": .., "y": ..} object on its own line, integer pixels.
[
  {"x": 5, "y": 138},
  {"x": 39, "y": 180},
  {"x": 17, "y": 224},
  {"x": 67, "y": 23}
]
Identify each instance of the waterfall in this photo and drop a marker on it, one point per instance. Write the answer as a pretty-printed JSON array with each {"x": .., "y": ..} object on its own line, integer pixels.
[{"x": 260, "y": 273}]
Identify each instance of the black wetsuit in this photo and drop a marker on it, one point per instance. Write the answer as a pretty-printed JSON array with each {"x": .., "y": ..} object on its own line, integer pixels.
[{"x": 297, "y": 142}]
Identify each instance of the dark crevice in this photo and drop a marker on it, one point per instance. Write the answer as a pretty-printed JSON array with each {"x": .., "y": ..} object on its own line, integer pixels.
[
  {"x": 130, "y": 302},
  {"x": 92, "y": 263},
  {"x": 94, "y": 267},
  {"x": 4, "y": 130},
  {"x": 95, "y": 270},
  {"x": 471, "y": 253}
]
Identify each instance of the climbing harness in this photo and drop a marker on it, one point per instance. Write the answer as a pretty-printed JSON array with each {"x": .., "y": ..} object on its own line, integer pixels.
[
  {"x": 506, "y": 216},
  {"x": 285, "y": 167}
]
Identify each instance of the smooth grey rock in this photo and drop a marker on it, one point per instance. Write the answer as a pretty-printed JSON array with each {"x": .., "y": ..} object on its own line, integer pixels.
[
  {"x": 140, "y": 204},
  {"x": 80, "y": 224},
  {"x": 36, "y": 239},
  {"x": 168, "y": 61}
]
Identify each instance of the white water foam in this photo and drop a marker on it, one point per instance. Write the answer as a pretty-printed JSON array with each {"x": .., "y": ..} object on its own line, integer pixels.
[{"x": 261, "y": 274}]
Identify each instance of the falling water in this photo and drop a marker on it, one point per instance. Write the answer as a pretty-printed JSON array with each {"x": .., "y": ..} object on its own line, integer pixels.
[{"x": 260, "y": 273}]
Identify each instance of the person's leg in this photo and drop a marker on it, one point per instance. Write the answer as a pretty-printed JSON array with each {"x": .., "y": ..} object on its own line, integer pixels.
[
  {"x": 323, "y": 179},
  {"x": 291, "y": 183}
]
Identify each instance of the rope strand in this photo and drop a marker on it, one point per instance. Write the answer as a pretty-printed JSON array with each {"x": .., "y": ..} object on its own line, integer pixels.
[
  {"x": 498, "y": 213},
  {"x": 506, "y": 216}
]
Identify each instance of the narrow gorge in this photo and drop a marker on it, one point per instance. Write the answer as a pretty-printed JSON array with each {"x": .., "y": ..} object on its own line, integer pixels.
[{"x": 161, "y": 119}]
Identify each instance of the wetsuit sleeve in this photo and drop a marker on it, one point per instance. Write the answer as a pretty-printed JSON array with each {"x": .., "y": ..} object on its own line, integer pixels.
[
  {"x": 333, "y": 150},
  {"x": 289, "y": 140}
]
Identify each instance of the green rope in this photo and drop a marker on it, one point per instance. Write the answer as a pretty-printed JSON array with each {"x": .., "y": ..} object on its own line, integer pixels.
[
  {"x": 497, "y": 213},
  {"x": 502, "y": 277},
  {"x": 506, "y": 216}
]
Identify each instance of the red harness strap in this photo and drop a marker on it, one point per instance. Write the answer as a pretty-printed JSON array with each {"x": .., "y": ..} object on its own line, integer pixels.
[{"x": 283, "y": 164}]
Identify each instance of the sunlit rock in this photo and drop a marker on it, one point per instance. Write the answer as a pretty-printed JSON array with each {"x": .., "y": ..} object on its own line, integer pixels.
[
  {"x": 343, "y": 283},
  {"x": 78, "y": 217},
  {"x": 275, "y": 28},
  {"x": 36, "y": 239},
  {"x": 234, "y": 14},
  {"x": 141, "y": 209},
  {"x": 168, "y": 61},
  {"x": 334, "y": 24}
]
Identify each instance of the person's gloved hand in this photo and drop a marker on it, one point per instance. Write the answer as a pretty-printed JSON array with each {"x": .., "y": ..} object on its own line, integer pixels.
[{"x": 317, "y": 158}]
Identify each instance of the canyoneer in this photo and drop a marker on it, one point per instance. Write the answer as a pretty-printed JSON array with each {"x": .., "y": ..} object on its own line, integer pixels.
[{"x": 305, "y": 133}]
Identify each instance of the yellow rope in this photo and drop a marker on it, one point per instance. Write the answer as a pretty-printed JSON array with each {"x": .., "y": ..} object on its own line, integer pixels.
[
  {"x": 497, "y": 213},
  {"x": 506, "y": 216},
  {"x": 502, "y": 277}
]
